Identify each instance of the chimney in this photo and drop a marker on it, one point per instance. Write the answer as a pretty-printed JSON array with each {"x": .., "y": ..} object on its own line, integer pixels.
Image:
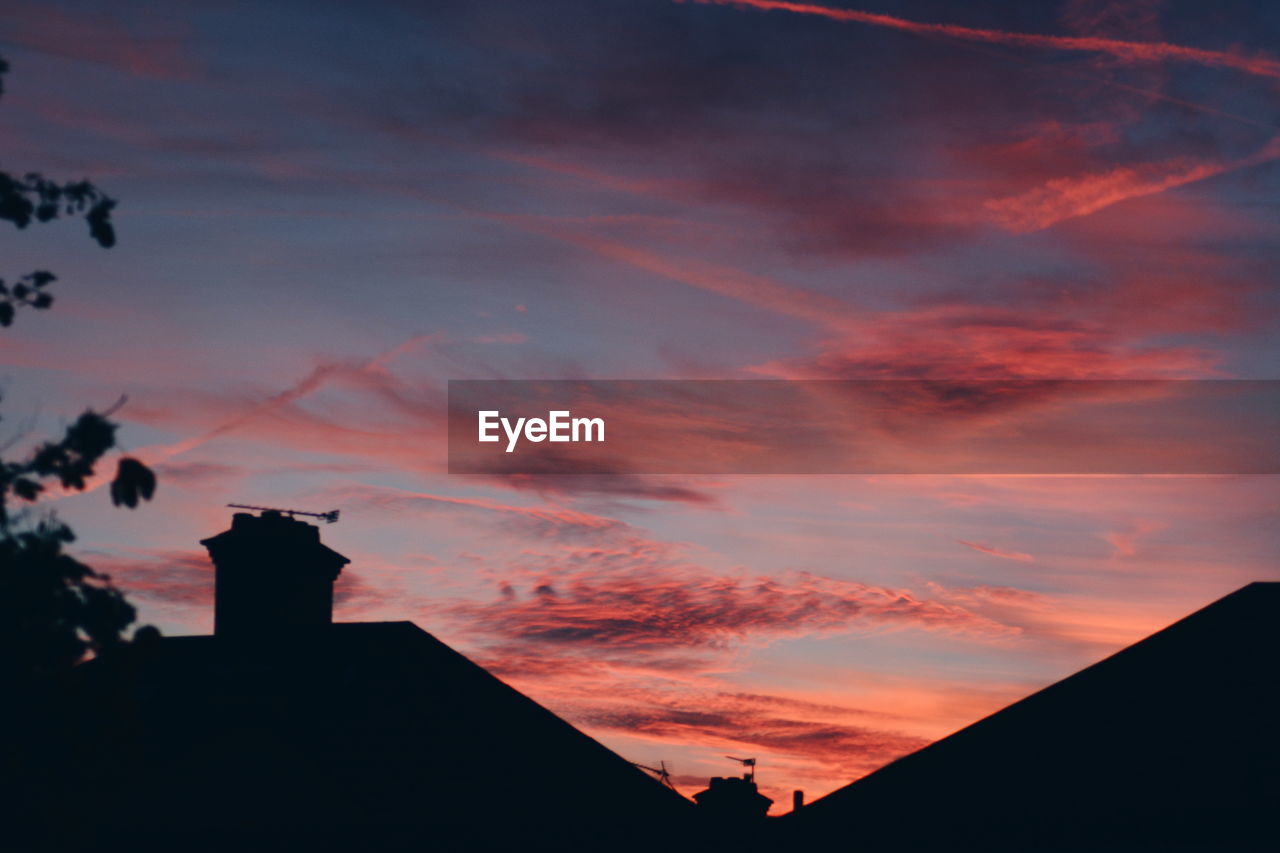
[
  {"x": 732, "y": 800},
  {"x": 272, "y": 576}
]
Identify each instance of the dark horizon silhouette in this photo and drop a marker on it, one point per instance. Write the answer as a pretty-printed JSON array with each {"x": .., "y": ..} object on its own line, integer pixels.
[
  {"x": 252, "y": 250},
  {"x": 285, "y": 731},
  {"x": 320, "y": 215},
  {"x": 1169, "y": 744}
]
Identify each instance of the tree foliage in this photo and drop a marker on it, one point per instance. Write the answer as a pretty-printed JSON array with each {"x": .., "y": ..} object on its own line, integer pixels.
[
  {"x": 53, "y": 608},
  {"x": 31, "y": 197}
]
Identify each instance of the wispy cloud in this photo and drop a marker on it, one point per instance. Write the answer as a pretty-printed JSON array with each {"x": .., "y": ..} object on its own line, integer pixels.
[
  {"x": 1129, "y": 51},
  {"x": 543, "y": 522},
  {"x": 163, "y": 576},
  {"x": 648, "y": 604},
  {"x": 1017, "y": 556},
  {"x": 1067, "y": 198},
  {"x": 753, "y": 289}
]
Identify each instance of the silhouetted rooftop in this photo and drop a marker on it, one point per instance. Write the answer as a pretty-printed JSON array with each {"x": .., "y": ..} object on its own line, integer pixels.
[
  {"x": 361, "y": 734},
  {"x": 1168, "y": 744}
]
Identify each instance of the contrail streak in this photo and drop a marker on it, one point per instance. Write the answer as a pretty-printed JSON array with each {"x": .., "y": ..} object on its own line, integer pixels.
[
  {"x": 1068, "y": 198},
  {"x": 312, "y": 382},
  {"x": 303, "y": 388},
  {"x": 1134, "y": 51}
]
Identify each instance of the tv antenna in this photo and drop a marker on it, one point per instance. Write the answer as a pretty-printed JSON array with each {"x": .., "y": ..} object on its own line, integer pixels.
[
  {"x": 749, "y": 763},
  {"x": 329, "y": 517},
  {"x": 661, "y": 772}
]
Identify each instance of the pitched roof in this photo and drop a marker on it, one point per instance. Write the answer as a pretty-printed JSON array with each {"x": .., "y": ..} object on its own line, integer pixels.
[
  {"x": 374, "y": 733},
  {"x": 1169, "y": 742}
]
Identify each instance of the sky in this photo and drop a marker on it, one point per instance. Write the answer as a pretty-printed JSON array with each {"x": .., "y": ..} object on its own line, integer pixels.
[{"x": 327, "y": 210}]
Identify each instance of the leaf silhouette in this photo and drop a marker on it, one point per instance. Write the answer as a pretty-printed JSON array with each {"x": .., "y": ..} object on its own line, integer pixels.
[{"x": 133, "y": 481}]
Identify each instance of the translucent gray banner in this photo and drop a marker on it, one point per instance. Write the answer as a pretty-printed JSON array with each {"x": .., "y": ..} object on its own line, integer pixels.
[{"x": 864, "y": 427}]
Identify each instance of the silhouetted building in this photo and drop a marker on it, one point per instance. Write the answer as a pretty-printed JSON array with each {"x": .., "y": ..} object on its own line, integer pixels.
[
  {"x": 732, "y": 800},
  {"x": 1170, "y": 744},
  {"x": 272, "y": 575},
  {"x": 283, "y": 732}
]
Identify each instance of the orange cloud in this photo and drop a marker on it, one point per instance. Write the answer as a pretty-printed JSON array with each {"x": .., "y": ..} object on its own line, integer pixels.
[
  {"x": 630, "y": 599},
  {"x": 812, "y": 740},
  {"x": 1124, "y": 543}
]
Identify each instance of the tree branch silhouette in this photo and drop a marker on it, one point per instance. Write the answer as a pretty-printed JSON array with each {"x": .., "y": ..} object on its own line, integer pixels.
[
  {"x": 35, "y": 198},
  {"x": 54, "y": 610}
]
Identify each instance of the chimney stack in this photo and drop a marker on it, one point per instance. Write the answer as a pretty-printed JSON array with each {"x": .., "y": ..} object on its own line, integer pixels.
[
  {"x": 732, "y": 800},
  {"x": 272, "y": 576}
]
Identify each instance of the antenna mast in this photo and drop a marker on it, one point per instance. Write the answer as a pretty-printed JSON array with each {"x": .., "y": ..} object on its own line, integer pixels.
[
  {"x": 329, "y": 517},
  {"x": 661, "y": 771},
  {"x": 749, "y": 763}
]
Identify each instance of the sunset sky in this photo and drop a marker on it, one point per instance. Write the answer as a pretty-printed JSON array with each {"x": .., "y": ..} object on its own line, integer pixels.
[{"x": 327, "y": 210}]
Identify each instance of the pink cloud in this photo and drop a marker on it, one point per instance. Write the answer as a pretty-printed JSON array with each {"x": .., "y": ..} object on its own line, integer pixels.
[
  {"x": 1067, "y": 198},
  {"x": 1017, "y": 556},
  {"x": 636, "y": 598},
  {"x": 961, "y": 341}
]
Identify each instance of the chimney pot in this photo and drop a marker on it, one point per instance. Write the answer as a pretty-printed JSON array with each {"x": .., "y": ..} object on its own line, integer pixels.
[{"x": 272, "y": 575}]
